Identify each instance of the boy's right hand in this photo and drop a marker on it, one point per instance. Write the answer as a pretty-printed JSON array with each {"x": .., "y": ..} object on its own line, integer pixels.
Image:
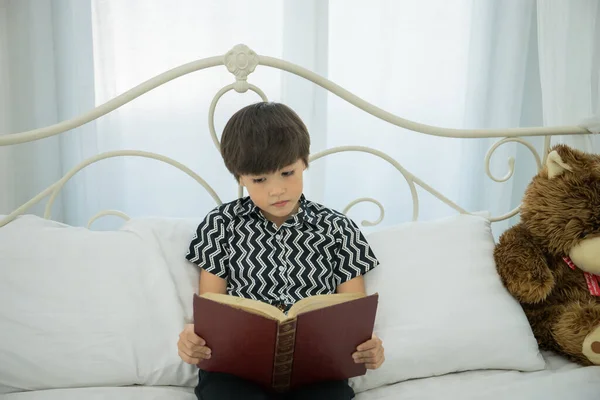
[{"x": 192, "y": 348}]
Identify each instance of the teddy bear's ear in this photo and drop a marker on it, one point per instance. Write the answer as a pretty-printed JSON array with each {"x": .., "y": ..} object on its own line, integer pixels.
[{"x": 556, "y": 166}]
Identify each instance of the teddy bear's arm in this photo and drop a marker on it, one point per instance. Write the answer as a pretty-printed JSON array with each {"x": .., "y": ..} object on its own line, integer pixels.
[{"x": 522, "y": 266}]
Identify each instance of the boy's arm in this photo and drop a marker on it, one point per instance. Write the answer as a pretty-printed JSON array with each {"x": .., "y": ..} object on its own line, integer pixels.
[
  {"x": 355, "y": 285},
  {"x": 209, "y": 251},
  {"x": 371, "y": 353},
  {"x": 354, "y": 257},
  {"x": 211, "y": 283}
]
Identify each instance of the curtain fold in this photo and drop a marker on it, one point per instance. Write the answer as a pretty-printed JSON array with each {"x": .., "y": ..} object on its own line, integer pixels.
[
  {"x": 46, "y": 76},
  {"x": 30, "y": 99},
  {"x": 569, "y": 53},
  {"x": 502, "y": 90},
  {"x": 459, "y": 64}
]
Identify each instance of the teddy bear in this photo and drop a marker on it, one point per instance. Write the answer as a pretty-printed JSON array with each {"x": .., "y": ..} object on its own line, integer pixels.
[{"x": 550, "y": 259}]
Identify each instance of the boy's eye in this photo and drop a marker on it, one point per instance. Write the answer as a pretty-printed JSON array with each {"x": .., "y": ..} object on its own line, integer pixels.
[
  {"x": 258, "y": 180},
  {"x": 288, "y": 173}
]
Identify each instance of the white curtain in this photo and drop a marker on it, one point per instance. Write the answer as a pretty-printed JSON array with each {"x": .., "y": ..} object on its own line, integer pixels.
[
  {"x": 502, "y": 90},
  {"x": 28, "y": 93},
  {"x": 569, "y": 41},
  {"x": 454, "y": 64},
  {"x": 133, "y": 42},
  {"x": 46, "y": 76}
]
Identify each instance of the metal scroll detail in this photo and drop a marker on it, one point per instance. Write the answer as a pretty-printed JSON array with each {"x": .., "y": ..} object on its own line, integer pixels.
[
  {"x": 511, "y": 160},
  {"x": 56, "y": 187},
  {"x": 410, "y": 179},
  {"x": 101, "y": 214},
  {"x": 241, "y": 61},
  {"x": 213, "y": 106},
  {"x": 511, "y": 167},
  {"x": 367, "y": 200}
]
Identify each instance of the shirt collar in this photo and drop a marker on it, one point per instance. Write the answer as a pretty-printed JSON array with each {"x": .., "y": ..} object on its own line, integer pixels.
[{"x": 245, "y": 206}]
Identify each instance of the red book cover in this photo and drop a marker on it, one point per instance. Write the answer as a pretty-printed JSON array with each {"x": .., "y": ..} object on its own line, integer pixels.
[
  {"x": 241, "y": 343},
  {"x": 327, "y": 338},
  {"x": 280, "y": 352}
]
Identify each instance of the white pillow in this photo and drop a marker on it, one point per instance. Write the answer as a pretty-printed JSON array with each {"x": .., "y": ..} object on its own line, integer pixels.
[
  {"x": 173, "y": 236},
  {"x": 85, "y": 308},
  {"x": 442, "y": 306}
]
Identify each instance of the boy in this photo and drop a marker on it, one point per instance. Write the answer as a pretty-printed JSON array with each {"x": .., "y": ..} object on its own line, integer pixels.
[{"x": 274, "y": 245}]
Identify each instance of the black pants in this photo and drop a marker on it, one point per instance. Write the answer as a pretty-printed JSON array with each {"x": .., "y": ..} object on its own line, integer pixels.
[{"x": 218, "y": 386}]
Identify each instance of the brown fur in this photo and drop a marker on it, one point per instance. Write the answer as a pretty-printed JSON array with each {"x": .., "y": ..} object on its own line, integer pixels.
[{"x": 556, "y": 215}]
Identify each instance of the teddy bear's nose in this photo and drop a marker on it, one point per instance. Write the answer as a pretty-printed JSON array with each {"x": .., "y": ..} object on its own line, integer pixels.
[{"x": 596, "y": 347}]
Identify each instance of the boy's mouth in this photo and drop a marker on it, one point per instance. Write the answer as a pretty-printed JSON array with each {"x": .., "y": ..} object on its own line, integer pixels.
[{"x": 281, "y": 203}]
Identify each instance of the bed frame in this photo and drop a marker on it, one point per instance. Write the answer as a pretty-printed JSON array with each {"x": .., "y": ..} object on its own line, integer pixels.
[{"x": 241, "y": 61}]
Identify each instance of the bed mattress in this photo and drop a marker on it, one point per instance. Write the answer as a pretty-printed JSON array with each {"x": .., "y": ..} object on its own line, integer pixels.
[{"x": 560, "y": 380}]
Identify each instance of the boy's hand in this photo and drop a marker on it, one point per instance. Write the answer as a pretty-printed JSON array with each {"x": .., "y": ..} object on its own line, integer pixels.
[
  {"x": 192, "y": 348},
  {"x": 370, "y": 353}
]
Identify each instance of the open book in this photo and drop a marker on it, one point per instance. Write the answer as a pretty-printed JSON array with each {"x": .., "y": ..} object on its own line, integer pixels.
[{"x": 256, "y": 341}]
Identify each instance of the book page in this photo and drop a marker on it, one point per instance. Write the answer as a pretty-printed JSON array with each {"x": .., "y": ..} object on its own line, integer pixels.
[
  {"x": 321, "y": 301},
  {"x": 249, "y": 305}
]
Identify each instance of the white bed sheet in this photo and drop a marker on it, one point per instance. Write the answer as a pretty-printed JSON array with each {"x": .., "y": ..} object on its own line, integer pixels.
[
  {"x": 561, "y": 380},
  {"x": 105, "y": 393}
]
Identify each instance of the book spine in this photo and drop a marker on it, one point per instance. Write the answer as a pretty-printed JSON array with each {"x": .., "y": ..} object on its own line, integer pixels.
[{"x": 284, "y": 355}]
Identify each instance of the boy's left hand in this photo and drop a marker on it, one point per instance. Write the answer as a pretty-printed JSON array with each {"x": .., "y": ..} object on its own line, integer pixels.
[{"x": 370, "y": 353}]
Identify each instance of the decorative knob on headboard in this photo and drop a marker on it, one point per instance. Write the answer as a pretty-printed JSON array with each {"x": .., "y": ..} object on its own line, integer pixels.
[{"x": 241, "y": 61}]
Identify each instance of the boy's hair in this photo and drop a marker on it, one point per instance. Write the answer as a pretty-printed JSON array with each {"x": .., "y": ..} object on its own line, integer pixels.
[{"x": 262, "y": 138}]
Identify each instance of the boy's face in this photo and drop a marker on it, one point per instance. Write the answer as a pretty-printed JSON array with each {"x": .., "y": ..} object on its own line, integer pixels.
[{"x": 276, "y": 194}]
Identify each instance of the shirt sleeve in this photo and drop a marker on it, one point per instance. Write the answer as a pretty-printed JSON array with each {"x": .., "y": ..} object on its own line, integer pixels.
[
  {"x": 355, "y": 256},
  {"x": 209, "y": 248}
]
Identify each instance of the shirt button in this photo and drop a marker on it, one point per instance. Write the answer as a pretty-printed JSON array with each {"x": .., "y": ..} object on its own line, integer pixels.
[
  {"x": 281, "y": 268},
  {"x": 278, "y": 237}
]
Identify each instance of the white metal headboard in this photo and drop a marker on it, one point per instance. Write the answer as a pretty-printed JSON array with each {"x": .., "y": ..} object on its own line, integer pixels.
[{"x": 241, "y": 61}]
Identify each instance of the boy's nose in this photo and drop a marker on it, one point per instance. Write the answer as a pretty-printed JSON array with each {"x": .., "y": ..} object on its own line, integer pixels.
[{"x": 277, "y": 191}]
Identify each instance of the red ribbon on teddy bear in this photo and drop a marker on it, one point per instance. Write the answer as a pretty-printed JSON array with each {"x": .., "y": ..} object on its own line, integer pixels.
[{"x": 591, "y": 279}]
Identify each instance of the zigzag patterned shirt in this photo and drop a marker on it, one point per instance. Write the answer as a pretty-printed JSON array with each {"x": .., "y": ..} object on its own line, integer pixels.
[{"x": 312, "y": 253}]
